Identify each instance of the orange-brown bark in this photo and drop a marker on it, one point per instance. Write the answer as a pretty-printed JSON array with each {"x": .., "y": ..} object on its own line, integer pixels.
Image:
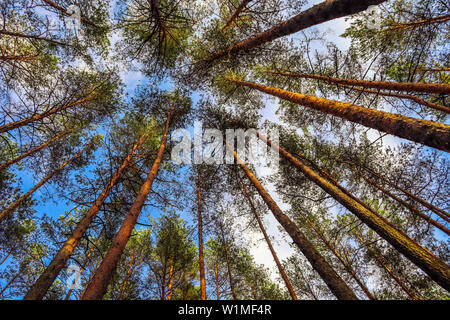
[
  {"x": 30, "y": 152},
  {"x": 409, "y": 292},
  {"x": 97, "y": 288},
  {"x": 40, "y": 287},
  {"x": 23, "y": 122},
  {"x": 441, "y": 213},
  {"x": 334, "y": 282},
  {"x": 236, "y": 13},
  {"x": 201, "y": 258},
  {"x": 430, "y": 133},
  {"x": 386, "y": 85},
  {"x": 322, "y": 12},
  {"x": 269, "y": 244},
  {"x": 127, "y": 276},
  {"x": 346, "y": 265},
  {"x": 17, "y": 203},
  {"x": 424, "y": 259},
  {"x": 83, "y": 266},
  {"x": 402, "y": 202},
  {"x": 227, "y": 257}
]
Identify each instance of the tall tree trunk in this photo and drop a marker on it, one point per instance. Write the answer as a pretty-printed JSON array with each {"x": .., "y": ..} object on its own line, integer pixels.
[
  {"x": 346, "y": 265},
  {"x": 216, "y": 273},
  {"x": 125, "y": 281},
  {"x": 18, "y": 58},
  {"x": 6, "y": 257},
  {"x": 169, "y": 294},
  {"x": 334, "y": 282},
  {"x": 430, "y": 133},
  {"x": 43, "y": 283},
  {"x": 30, "y": 152},
  {"x": 252, "y": 287},
  {"x": 227, "y": 257},
  {"x": 23, "y": 122},
  {"x": 441, "y": 213},
  {"x": 269, "y": 244},
  {"x": 17, "y": 203},
  {"x": 405, "y": 25},
  {"x": 86, "y": 260},
  {"x": 401, "y": 201},
  {"x": 97, "y": 288},
  {"x": 398, "y": 86},
  {"x": 402, "y": 96},
  {"x": 323, "y": 12},
  {"x": 33, "y": 37},
  {"x": 201, "y": 257},
  {"x": 236, "y": 13},
  {"x": 388, "y": 270},
  {"x": 424, "y": 259}
]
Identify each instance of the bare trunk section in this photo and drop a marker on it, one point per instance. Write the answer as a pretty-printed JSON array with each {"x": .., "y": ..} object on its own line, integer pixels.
[
  {"x": 269, "y": 244},
  {"x": 325, "y": 11},
  {"x": 430, "y": 133},
  {"x": 230, "y": 276},
  {"x": 97, "y": 288},
  {"x": 17, "y": 203},
  {"x": 236, "y": 13},
  {"x": 169, "y": 294},
  {"x": 403, "y": 96},
  {"x": 30, "y": 152},
  {"x": 86, "y": 260},
  {"x": 434, "y": 20},
  {"x": 41, "y": 286},
  {"x": 216, "y": 273},
  {"x": 421, "y": 257},
  {"x": 388, "y": 270},
  {"x": 441, "y": 213},
  {"x": 402, "y": 202},
  {"x": 23, "y": 122},
  {"x": 334, "y": 282},
  {"x": 201, "y": 257},
  {"x": 397, "y": 86},
  {"x": 346, "y": 265},
  {"x": 125, "y": 281},
  {"x": 33, "y": 37}
]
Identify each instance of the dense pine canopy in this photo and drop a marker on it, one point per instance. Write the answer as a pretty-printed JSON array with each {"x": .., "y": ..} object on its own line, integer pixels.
[{"x": 95, "y": 97}]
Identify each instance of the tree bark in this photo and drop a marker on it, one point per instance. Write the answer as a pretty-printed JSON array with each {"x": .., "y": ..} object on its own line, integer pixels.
[
  {"x": 40, "y": 287},
  {"x": 86, "y": 260},
  {"x": 424, "y": 259},
  {"x": 403, "y": 203},
  {"x": 236, "y": 13},
  {"x": 201, "y": 257},
  {"x": 33, "y": 37},
  {"x": 434, "y": 20},
  {"x": 334, "y": 282},
  {"x": 269, "y": 244},
  {"x": 97, "y": 288},
  {"x": 125, "y": 281},
  {"x": 430, "y": 133},
  {"x": 17, "y": 203},
  {"x": 230, "y": 276},
  {"x": 23, "y": 122},
  {"x": 441, "y": 213},
  {"x": 403, "y": 96},
  {"x": 346, "y": 265},
  {"x": 30, "y": 152},
  {"x": 388, "y": 270},
  {"x": 216, "y": 273},
  {"x": 438, "y": 88},
  {"x": 64, "y": 12},
  {"x": 323, "y": 12},
  {"x": 169, "y": 294}
]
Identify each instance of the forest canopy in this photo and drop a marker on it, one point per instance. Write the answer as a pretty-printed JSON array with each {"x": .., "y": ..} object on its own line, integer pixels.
[{"x": 224, "y": 150}]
